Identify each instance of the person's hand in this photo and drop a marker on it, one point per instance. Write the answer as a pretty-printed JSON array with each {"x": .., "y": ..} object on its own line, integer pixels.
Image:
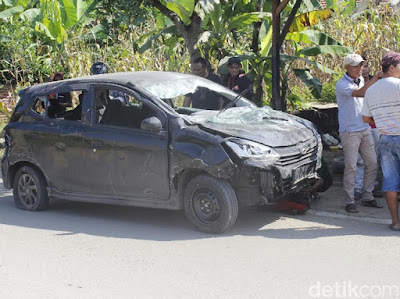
[{"x": 379, "y": 75}]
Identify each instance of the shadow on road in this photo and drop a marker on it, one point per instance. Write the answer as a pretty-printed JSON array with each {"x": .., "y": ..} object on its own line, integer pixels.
[{"x": 66, "y": 218}]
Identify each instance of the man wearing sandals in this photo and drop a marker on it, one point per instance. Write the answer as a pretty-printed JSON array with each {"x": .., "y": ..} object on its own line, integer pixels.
[
  {"x": 382, "y": 108},
  {"x": 355, "y": 134}
]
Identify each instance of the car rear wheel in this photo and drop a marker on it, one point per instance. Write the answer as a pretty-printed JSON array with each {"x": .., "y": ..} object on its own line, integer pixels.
[
  {"x": 29, "y": 190},
  {"x": 210, "y": 204}
]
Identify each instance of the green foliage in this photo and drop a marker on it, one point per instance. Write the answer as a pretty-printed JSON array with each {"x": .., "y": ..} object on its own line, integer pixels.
[
  {"x": 183, "y": 8},
  {"x": 115, "y": 18},
  {"x": 328, "y": 90},
  {"x": 43, "y": 36},
  {"x": 21, "y": 61},
  {"x": 299, "y": 98}
]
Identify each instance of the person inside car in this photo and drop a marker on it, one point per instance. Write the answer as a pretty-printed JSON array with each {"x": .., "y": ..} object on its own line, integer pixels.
[
  {"x": 76, "y": 113},
  {"x": 58, "y": 101}
]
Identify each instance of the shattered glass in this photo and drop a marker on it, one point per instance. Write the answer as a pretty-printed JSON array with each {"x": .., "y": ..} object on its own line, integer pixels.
[
  {"x": 171, "y": 89},
  {"x": 248, "y": 115}
]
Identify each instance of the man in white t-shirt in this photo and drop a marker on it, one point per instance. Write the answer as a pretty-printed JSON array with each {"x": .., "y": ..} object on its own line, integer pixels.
[{"x": 382, "y": 108}]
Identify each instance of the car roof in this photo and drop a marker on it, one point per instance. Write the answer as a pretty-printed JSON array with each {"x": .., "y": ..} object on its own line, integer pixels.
[{"x": 134, "y": 78}]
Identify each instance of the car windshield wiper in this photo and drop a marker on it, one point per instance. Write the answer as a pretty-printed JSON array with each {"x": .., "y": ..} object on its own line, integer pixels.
[
  {"x": 239, "y": 96},
  {"x": 276, "y": 118}
]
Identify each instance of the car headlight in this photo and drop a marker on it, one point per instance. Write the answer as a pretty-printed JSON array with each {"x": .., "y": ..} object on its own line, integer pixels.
[{"x": 246, "y": 149}]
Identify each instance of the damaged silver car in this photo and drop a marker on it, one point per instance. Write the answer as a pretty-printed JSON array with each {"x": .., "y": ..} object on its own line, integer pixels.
[{"x": 145, "y": 149}]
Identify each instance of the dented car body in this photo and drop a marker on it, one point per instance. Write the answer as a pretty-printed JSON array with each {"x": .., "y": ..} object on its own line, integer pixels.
[{"x": 148, "y": 151}]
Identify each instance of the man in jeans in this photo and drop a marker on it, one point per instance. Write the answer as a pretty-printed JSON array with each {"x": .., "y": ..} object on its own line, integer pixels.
[
  {"x": 355, "y": 134},
  {"x": 382, "y": 108}
]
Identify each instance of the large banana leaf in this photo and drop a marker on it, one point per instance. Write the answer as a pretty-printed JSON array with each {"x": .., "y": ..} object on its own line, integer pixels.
[
  {"x": 24, "y": 3},
  {"x": 8, "y": 13},
  {"x": 30, "y": 14},
  {"x": 52, "y": 19},
  {"x": 311, "y": 4},
  {"x": 313, "y": 84},
  {"x": 71, "y": 14},
  {"x": 266, "y": 43},
  {"x": 311, "y": 18},
  {"x": 333, "y": 50},
  {"x": 42, "y": 28},
  {"x": 208, "y": 5},
  {"x": 312, "y": 37},
  {"x": 152, "y": 36},
  {"x": 5, "y": 38},
  {"x": 246, "y": 19},
  {"x": 183, "y": 8},
  {"x": 285, "y": 58},
  {"x": 215, "y": 17}
]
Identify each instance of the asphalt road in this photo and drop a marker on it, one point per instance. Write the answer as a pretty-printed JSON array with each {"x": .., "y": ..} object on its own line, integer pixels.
[{"x": 80, "y": 250}]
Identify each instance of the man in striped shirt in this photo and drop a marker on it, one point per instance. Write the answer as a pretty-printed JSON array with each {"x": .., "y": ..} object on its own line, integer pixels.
[{"x": 382, "y": 108}]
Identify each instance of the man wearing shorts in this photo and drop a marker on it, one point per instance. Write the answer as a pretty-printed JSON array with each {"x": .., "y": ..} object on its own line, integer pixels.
[{"x": 382, "y": 108}]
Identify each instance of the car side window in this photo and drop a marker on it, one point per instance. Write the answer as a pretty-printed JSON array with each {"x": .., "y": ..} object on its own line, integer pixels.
[
  {"x": 118, "y": 108},
  {"x": 39, "y": 106},
  {"x": 65, "y": 105}
]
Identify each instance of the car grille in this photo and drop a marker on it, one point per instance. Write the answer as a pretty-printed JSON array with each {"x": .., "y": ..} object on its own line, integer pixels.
[{"x": 298, "y": 154}]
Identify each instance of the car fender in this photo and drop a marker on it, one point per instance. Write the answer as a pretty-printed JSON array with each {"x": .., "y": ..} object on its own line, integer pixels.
[{"x": 194, "y": 148}]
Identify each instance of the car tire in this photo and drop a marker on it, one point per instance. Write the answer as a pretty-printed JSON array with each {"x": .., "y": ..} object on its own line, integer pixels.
[
  {"x": 210, "y": 204},
  {"x": 29, "y": 190}
]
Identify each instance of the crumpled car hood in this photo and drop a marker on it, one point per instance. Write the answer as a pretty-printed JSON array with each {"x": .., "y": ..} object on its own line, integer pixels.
[{"x": 280, "y": 129}]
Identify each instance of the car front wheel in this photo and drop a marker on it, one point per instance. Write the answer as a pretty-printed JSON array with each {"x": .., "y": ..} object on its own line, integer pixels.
[
  {"x": 210, "y": 204},
  {"x": 29, "y": 190}
]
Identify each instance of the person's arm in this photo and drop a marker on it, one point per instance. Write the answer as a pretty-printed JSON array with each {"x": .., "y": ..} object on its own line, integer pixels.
[
  {"x": 68, "y": 102},
  {"x": 220, "y": 103},
  {"x": 186, "y": 102},
  {"x": 361, "y": 91},
  {"x": 369, "y": 120}
]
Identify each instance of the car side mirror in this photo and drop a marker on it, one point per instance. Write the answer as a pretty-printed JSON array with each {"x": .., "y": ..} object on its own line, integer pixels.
[{"x": 152, "y": 124}]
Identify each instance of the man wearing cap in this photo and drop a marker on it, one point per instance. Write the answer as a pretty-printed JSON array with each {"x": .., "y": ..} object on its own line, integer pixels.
[
  {"x": 382, "y": 108},
  {"x": 236, "y": 79},
  {"x": 355, "y": 134}
]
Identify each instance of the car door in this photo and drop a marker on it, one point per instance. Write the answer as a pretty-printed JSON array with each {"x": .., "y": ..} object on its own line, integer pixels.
[
  {"x": 138, "y": 164},
  {"x": 60, "y": 150}
]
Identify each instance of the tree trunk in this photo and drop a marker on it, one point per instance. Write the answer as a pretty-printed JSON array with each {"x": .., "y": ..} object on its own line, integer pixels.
[
  {"x": 258, "y": 81},
  {"x": 190, "y": 33}
]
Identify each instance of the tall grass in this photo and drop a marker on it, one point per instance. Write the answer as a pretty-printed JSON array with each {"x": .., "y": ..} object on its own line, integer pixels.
[{"x": 372, "y": 34}]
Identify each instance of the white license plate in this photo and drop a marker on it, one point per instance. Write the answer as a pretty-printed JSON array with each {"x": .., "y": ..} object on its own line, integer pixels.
[{"x": 302, "y": 172}]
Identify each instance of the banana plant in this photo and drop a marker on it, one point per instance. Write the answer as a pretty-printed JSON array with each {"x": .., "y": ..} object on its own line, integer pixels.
[
  {"x": 52, "y": 19},
  {"x": 316, "y": 42}
]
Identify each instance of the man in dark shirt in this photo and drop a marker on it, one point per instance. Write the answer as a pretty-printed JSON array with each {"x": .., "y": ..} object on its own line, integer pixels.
[
  {"x": 204, "y": 98},
  {"x": 236, "y": 79}
]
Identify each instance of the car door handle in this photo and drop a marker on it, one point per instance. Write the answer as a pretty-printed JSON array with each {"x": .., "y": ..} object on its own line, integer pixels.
[
  {"x": 33, "y": 136},
  {"x": 96, "y": 145},
  {"x": 60, "y": 145}
]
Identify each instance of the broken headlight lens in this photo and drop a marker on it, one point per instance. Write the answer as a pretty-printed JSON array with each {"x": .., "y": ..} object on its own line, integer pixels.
[{"x": 246, "y": 149}]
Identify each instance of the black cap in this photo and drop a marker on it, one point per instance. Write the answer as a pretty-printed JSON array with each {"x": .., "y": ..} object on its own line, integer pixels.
[
  {"x": 98, "y": 68},
  {"x": 234, "y": 60}
]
